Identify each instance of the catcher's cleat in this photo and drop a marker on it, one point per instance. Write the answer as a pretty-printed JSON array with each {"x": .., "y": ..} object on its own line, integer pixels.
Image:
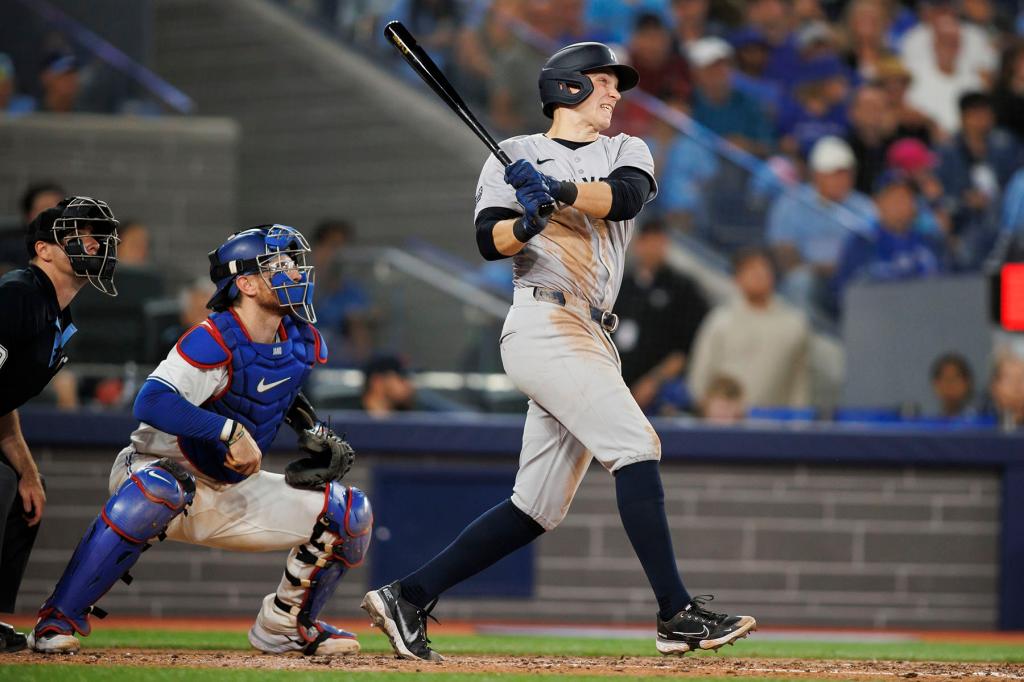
[
  {"x": 697, "y": 628},
  {"x": 404, "y": 623},
  {"x": 53, "y": 642},
  {"x": 277, "y": 633},
  {"x": 11, "y": 640}
]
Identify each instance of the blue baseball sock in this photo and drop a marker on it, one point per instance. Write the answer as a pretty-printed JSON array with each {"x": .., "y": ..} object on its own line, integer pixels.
[
  {"x": 642, "y": 510},
  {"x": 494, "y": 535}
]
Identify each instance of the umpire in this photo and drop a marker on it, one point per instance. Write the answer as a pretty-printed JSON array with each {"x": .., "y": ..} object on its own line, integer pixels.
[{"x": 68, "y": 246}]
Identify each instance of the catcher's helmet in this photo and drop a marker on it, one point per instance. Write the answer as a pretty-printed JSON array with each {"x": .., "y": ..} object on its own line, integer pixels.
[
  {"x": 279, "y": 254},
  {"x": 69, "y": 224},
  {"x": 567, "y": 68}
]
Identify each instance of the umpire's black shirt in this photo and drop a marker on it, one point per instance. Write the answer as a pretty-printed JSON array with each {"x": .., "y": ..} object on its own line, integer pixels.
[{"x": 33, "y": 333}]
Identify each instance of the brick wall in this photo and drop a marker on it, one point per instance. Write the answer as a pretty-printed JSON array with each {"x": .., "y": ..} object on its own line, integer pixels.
[
  {"x": 177, "y": 175},
  {"x": 789, "y": 544}
]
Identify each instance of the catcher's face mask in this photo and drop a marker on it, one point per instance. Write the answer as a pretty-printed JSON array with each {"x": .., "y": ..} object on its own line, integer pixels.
[
  {"x": 83, "y": 221},
  {"x": 286, "y": 270}
]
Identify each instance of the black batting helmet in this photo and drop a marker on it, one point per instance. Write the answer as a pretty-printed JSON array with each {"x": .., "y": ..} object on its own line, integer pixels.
[{"x": 567, "y": 68}]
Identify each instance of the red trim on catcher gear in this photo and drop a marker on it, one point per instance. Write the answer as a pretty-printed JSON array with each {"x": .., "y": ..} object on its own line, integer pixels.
[
  {"x": 129, "y": 538},
  {"x": 49, "y": 613},
  {"x": 348, "y": 509},
  {"x": 317, "y": 344},
  {"x": 149, "y": 497},
  {"x": 215, "y": 334}
]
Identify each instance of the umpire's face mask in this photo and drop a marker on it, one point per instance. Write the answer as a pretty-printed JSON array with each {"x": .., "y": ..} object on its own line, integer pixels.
[{"x": 87, "y": 232}]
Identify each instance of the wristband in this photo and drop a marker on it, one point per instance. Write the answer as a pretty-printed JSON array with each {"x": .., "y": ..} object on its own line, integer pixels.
[
  {"x": 236, "y": 434},
  {"x": 520, "y": 231},
  {"x": 566, "y": 192}
]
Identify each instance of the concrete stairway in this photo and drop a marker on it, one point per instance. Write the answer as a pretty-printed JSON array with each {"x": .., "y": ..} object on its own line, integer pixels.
[{"x": 325, "y": 132}]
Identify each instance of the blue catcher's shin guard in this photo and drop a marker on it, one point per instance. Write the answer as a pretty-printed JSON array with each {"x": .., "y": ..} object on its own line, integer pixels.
[
  {"x": 137, "y": 512},
  {"x": 313, "y": 570}
]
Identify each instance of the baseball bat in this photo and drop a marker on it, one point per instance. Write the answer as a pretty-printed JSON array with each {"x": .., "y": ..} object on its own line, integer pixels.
[{"x": 416, "y": 57}]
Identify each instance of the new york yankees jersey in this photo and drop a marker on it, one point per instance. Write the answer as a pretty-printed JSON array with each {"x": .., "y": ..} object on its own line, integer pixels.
[{"x": 576, "y": 254}]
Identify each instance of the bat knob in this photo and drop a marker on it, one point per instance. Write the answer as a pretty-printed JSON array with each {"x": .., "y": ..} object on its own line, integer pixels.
[{"x": 546, "y": 210}]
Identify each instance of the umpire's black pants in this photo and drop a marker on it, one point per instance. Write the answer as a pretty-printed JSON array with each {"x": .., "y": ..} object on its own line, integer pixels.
[{"x": 16, "y": 537}]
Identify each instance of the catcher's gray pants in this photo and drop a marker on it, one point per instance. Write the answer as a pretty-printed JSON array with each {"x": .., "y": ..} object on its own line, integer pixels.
[
  {"x": 579, "y": 405},
  {"x": 259, "y": 514}
]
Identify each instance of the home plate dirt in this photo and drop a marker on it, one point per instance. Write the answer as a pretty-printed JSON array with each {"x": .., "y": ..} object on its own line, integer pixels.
[{"x": 648, "y": 667}]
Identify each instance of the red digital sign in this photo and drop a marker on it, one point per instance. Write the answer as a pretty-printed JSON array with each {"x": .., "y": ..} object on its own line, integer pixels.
[{"x": 1011, "y": 299}]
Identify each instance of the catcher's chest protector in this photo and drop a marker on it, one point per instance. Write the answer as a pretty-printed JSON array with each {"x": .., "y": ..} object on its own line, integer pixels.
[{"x": 263, "y": 379}]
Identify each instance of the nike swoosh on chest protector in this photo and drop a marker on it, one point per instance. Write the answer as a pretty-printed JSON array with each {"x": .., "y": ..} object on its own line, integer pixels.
[{"x": 263, "y": 388}]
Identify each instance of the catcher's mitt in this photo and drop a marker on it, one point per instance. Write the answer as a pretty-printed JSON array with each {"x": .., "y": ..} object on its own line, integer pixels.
[{"x": 330, "y": 458}]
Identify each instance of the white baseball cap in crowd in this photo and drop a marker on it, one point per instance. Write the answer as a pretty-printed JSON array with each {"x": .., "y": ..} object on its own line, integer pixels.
[
  {"x": 831, "y": 154},
  {"x": 707, "y": 51}
]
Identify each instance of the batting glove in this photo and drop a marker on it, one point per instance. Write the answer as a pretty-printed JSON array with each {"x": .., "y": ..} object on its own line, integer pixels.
[
  {"x": 521, "y": 174},
  {"x": 532, "y": 198}
]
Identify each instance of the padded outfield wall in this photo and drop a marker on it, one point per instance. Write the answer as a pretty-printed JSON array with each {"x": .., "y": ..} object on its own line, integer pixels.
[{"x": 815, "y": 526}]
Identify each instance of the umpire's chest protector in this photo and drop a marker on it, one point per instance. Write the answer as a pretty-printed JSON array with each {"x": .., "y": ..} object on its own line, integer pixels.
[{"x": 263, "y": 379}]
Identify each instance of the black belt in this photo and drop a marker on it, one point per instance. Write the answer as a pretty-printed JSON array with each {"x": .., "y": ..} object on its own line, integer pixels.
[{"x": 608, "y": 320}]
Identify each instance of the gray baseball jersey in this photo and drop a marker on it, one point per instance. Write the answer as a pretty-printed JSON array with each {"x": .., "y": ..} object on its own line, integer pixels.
[
  {"x": 575, "y": 253},
  {"x": 580, "y": 408}
]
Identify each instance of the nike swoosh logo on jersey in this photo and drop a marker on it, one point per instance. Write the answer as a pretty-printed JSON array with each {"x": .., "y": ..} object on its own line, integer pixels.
[
  {"x": 702, "y": 633},
  {"x": 263, "y": 388},
  {"x": 540, "y": 161}
]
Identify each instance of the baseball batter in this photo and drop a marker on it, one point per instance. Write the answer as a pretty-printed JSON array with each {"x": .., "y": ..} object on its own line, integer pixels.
[
  {"x": 192, "y": 471},
  {"x": 555, "y": 346}
]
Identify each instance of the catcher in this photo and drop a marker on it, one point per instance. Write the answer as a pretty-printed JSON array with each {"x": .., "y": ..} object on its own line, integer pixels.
[{"x": 192, "y": 470}]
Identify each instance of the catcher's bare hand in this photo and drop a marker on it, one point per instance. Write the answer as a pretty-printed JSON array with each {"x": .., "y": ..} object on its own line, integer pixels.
[{"x": 243, "y": 454}]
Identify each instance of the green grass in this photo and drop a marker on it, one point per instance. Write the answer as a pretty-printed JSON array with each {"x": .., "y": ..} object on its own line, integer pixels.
[
  {"x": 90, "y": 673},
  {"x": 568, "y": 646}
]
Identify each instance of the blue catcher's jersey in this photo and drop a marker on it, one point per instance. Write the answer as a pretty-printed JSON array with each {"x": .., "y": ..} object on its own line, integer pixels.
[{"x": 263, "y": 379}]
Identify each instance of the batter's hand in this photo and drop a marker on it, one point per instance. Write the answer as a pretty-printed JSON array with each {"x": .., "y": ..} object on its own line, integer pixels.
[
  {"x": 244, "y": 454},
  {"x": 532, "y": 198},
  {"x": 522, "y": 173},
  {"x": 33, "y": 498}
]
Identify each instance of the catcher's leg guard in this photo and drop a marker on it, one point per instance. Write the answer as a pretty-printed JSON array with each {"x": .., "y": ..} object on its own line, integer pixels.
[
  {"x": 288, "y": 620},
  {"x": 137, "y": 512}
]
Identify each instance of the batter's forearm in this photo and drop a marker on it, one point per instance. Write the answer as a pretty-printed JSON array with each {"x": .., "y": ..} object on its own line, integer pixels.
[
  {"x": 13, "y": 445},
  {"x": 505, "y": 240},
  {"x": 593, "y": 198}
]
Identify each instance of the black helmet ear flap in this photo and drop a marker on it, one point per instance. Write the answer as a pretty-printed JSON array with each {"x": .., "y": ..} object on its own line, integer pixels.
[{"x": 554, "y": 88}]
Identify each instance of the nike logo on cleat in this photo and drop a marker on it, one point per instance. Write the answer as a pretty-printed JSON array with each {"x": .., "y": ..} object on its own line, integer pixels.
[
  {"x": 540, "y": 161},
  {"x": 263, "y": 388},
  {"x": 704, "y": 633}
]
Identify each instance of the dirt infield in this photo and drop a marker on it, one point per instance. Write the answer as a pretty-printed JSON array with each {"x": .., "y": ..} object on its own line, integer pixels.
[{"x": 647, "y": 667}]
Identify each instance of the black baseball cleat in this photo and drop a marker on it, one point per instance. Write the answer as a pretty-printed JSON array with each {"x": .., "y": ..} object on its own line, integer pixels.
[
  {"x": 697, "y": 628},
  {"x": 403, "y": 622},
  {"x": 11, "y": 640}
]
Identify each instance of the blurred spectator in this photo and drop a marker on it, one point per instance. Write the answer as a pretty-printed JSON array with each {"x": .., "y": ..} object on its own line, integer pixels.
[
  {"x": 752, "y": 52},
  {"x": 892, "y": 250},
  {"x": 609, "y": 21},
  {"x": 12, "y": 103},
  {"x": 1008, "y": 95},
  {"x": 685, "y": 166},
  {"x": 974, "y": 167},
  {"x": 659, "y": 312},
  {"x": 36, "y": 198},
  {"x": 1013, "y": 205},
  {"x": 1006, "y": 390},
  {"x": 512, "y": 99},
  {"x": 815, "y": 40},
  {"x": 479, "y": 42},
  {"x": 756, "y": 338},
  {"x": 866, "y": 25},
  {"x": 343, "y": 308},
  {"x": 817, "y": 108},
  {"x": 895, "y": 80},
  {"x": 722, "y": 402},
  {"x": 873, "y": 127},
  {"x": 133, "y": 249},
  {"x": 386, "y": 387},
  {"x": 774, "y": 20},
  {"x": 664, "y": 73},
  {"x": 192, "y": 310},
  {"x": 691, "y": 21},
  {"x": 953, "y": 385},
  {"x": 59, "y": 82},
  {"x": 948, "y": 58},
  {"x": 912, "y": 158},
  {"x": 720, "y": 107},
  {"x": 807, "y": 227}
]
